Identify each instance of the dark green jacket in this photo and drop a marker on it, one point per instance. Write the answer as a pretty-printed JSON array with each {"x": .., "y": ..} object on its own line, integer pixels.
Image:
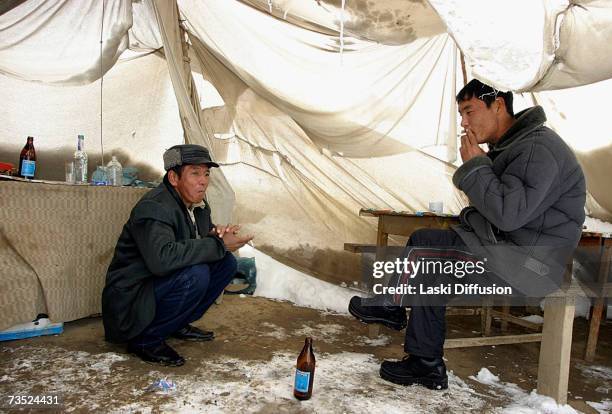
[{"x": 157, "y": 240}]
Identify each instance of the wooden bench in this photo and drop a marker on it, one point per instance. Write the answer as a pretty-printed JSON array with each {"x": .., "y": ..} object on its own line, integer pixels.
[{"x": 556, "y": 336}]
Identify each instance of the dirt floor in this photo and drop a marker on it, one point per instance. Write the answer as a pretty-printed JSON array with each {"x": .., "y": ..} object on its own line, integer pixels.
[{"x": 250, "y": 365}]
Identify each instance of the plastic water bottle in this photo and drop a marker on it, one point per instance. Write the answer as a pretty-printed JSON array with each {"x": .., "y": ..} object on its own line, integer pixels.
[
  {"x": 80, "y": 162},
  {"x": 114, "y": 171}
]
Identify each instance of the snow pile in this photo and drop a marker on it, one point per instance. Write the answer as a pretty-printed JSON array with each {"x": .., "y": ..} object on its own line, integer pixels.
[
  {"x": 522, "y": 402},
  {"x": 486, "y": 377},
  {"x": 596, "y": 225},
  {"x": 278, "y": 281}
]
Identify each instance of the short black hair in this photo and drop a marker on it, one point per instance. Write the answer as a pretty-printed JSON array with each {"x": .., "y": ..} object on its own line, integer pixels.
[
  {"x": 485, "y": 93},
  {"x": 178, "y": 169}
]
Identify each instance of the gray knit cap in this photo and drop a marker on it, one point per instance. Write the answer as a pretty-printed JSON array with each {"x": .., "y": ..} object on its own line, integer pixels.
[{"x": 187, "y": 154}]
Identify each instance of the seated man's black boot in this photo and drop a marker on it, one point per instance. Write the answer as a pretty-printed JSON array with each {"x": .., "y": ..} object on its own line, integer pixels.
[
  {"x": 369, "y": 310},
  {"x": 191, "y": 333},
  {"x": 429, "y": 372},
  {"x": 160, "y": 354}
]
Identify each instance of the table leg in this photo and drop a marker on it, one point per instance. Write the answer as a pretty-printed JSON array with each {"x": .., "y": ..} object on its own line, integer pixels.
[
  {"x": 604, "y": 269},
  {"x": 553, "y": 368}
]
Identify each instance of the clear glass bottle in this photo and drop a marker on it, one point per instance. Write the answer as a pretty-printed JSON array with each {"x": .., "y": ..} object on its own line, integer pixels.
[
  {"x": 114, "y": 172},
  {"x": 80, "y": 162}
]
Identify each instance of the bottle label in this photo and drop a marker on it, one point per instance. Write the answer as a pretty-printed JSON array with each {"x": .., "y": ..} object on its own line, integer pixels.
[
  {"x": 302, "y": 380},
  {"x": 27, "y": 168}
]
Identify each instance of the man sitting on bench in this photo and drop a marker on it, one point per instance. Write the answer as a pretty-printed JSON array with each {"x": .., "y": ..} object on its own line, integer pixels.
[{"x": 526, "y": 193}]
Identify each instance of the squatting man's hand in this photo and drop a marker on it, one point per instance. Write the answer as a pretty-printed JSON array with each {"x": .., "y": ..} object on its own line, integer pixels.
[
  {"x": 229, "y": 234},
  {"x": 469, "y": 146}
]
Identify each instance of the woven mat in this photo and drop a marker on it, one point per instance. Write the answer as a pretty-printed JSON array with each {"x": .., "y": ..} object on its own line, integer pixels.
[{"x": 56, "y": 242}]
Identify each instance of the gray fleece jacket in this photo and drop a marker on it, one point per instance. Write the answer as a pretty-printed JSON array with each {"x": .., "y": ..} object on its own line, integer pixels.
[{"x": 527, "y": 199}]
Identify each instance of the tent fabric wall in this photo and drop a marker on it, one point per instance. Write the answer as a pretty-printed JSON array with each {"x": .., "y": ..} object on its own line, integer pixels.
[
  {"x": 219, "y": 194},
  {"x": 305, "y": 135},
  {"x": 373, "y": 100},
  {"x": 389, "y": 22},
  {"x": 140, "y": 119},
  {"x": 35, "y": 44},
  {"x": 527, "y": 45},
  {"x": 302, "y": 201}
]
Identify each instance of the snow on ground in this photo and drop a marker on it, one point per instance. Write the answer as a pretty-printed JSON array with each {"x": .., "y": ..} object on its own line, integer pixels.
[
  {"x": 278, "y": 281},
  {"x": 604, "y": 407},
  {"x": 522, "y": 402},
  {"x": 381, "y": 340},
  {"x": 596, "y": 371},
  {"x": 602, "y": 374},
  {"x": 277, "y": 332},
  {"x": 58, "y": 371},
  {"x": 320, "y": 332},
  {"x": 344, "y": 382}
]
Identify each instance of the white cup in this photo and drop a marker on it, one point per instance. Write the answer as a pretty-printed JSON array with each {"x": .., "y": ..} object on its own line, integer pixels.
[{"x": 436, "y": 207}]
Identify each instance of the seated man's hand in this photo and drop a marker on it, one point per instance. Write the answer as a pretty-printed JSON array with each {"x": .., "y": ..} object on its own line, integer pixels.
[
  {"x": 221, "y": 230},
  {"x": 233, "y": 242}
]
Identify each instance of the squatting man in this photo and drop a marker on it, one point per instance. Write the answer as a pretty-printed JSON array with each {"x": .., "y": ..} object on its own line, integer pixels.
[
  {"x": 526, "y": 191},
  {"x": 170, "y": 263}
]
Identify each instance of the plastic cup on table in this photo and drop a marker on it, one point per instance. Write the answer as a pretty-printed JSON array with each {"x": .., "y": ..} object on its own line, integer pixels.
[
  {"x": 436, "y": 207},
  {"x": 69, "y": 167}
]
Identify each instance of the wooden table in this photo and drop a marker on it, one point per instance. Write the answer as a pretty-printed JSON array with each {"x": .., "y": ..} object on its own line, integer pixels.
[{"x": 556, "y": 336}]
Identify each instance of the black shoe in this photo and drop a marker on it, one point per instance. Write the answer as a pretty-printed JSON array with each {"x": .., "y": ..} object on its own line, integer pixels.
[
  {"x": 430, "y": 373},
  {"x": 366, "y": 310},
  {"x": 191, "y": 333},
  {"x": 161, "y": 354}
]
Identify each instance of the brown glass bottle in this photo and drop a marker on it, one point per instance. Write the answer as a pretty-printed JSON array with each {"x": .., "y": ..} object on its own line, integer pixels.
[
  {"x": 27, "y": 160},
  {"x": 304, "y": 374}
]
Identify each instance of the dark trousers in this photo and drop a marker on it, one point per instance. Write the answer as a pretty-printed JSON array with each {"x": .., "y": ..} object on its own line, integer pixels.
[
  {"x": 426, "y": 328},
  {"x": 183, "y": 298}
]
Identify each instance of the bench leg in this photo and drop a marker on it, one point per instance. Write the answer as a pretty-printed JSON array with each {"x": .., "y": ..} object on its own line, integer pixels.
[
  {"x": 596, "y": 314},
  {"x": 553, "y": 368},
  {"x": 485, "y": 318},
  {"x": 506, "y": 311},
  {"x": 604, "y": 268}
]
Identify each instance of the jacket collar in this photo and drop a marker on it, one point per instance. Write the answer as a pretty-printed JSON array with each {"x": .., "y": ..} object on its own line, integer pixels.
[{"x": 526, "y": 121}]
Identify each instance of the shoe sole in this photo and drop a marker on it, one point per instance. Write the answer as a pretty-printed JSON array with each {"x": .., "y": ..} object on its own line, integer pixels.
[
  {"x": 426, "y": 382},
  {"x": 166, "y": 364},
  {"x": 206, "y": 339},
  {"x": 374, "y": 319}
]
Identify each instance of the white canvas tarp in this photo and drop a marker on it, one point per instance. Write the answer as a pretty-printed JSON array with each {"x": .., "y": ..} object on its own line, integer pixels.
[{"x": 306, "y": 135}]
